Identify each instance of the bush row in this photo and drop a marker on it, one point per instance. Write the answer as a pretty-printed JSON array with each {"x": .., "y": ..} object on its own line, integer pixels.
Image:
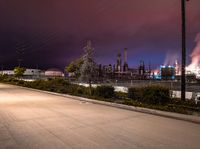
[
  {"x": 62, "y": 86},
  {"x": 150, "y": 94},
  {"x": 153, "y": 95}
]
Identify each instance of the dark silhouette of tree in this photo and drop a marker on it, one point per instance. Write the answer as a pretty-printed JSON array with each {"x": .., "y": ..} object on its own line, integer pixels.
[
  {"x": 19, "y": 71},
  {"x": 74, "y": 67}
]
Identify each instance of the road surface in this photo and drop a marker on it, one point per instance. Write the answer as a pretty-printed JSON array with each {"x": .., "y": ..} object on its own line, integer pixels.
[{"x": 35, "y": 120}]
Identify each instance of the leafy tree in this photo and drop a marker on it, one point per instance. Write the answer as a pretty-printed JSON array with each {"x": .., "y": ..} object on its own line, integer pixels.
[
  {"x": 19, "y": 71},
  {"x": 89, "y": 67},
  {"x": 74, "y": 67}
]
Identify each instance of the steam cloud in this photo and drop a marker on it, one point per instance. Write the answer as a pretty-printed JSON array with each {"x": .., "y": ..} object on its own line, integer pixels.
[
  {"x": 170, "y": 59},
  {"x": 195, "y": 56},
  {"x": 193, "y": 67}
]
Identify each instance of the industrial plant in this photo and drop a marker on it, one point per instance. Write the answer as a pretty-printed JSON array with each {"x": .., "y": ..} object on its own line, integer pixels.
[{"x": 121, "y": 69}]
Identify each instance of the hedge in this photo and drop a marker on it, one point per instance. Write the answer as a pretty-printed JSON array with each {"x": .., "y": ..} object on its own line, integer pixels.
[
  {"x": 150, "y": 94},
  {"x": 104, "y": 91}
]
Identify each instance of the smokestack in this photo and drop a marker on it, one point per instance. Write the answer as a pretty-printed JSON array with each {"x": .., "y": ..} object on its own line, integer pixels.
[
  {"x": 125, "y": 56},
  {"x": 119, "y": 58},
  {"x": 119, "y": 62}
]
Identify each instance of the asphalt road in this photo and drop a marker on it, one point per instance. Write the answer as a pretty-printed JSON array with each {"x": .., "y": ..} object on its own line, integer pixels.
[{"x": 35, "y": 120}]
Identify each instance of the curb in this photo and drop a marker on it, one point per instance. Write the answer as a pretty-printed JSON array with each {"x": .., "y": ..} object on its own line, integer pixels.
[{"x": 177, "y": 116}]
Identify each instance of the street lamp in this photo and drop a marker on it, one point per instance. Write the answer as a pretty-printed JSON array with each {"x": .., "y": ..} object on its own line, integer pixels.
[{"x": 183, "y": 49}]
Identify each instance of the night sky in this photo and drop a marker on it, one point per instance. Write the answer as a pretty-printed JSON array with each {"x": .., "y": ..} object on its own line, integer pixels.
[{"x": 53, "y": 32}]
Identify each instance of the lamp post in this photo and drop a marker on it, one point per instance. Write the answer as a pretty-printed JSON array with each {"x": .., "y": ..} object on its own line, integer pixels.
[{"x": 183, "y": 83}]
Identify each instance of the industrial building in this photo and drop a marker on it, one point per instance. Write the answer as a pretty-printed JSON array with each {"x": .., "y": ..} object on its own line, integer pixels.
[
  {"x": 121, "y": 69},
  {"x": 167, "y": 72},
  {"x": 53, "y": 73}
]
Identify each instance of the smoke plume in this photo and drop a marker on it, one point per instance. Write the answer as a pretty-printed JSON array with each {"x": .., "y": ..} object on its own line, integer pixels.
[
  {"x": 170, "y": 59},
  {"x": 195, "y": 56}
]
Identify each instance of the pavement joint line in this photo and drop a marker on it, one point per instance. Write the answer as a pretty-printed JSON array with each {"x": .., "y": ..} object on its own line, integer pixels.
[{"x": 177, "y": 116}]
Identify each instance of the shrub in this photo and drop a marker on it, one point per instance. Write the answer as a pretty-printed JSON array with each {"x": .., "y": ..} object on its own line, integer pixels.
[
  {"x": 189, "y": 103},
  {"x": 134, "y": 93},
  {"x": 20, "y": 82},
  {"x": 3, "y": 77},
  {"x": 71, "y": 89},
  {"x": 59, "y": 81},
  {"x": 104, "y": 91},
  {"x": 121, "y": 95},
  {"x": 150, "y": 94},
  {"x": 79, "y": 90},
  {"x": 155, "y": 95},
  {"x": 57, "y": 85}
]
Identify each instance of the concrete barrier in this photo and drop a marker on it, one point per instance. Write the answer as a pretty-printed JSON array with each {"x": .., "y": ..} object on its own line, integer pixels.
[
  {"x": 188, "y": 95},
  {"x": 117, "y": 88},
  {"x": 121, "y": 89}
]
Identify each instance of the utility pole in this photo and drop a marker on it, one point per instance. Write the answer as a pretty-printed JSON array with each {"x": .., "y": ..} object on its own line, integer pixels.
[
  {"x": 2, "y": 69},
  {"x": 183, "y": 83},
  {"x": 20, "y": 52}
]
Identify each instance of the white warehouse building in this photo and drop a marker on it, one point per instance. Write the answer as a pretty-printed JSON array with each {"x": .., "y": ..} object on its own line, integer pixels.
[
  {"x": 37, "y": 73},
  {"x": 28, "y": 72}
]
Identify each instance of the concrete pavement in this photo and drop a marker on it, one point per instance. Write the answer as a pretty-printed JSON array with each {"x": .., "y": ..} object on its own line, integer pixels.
[{"x": 36, "y": 120}]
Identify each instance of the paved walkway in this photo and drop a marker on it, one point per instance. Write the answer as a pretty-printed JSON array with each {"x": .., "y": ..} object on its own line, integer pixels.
[{"x": 35, "y": 120}]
